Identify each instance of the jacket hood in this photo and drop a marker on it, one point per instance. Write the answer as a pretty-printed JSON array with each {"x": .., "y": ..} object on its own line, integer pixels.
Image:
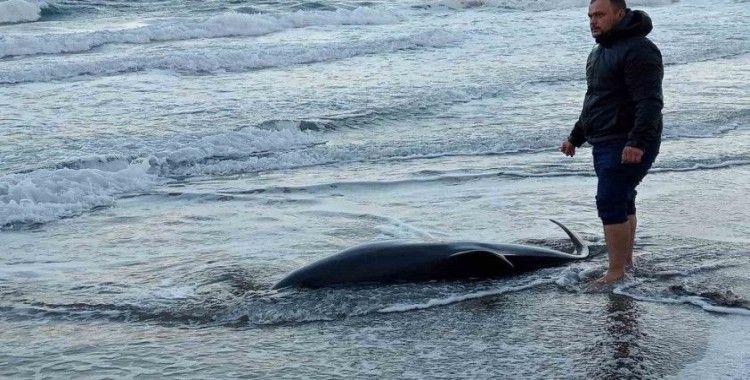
[{"x": 633, "y": 24}]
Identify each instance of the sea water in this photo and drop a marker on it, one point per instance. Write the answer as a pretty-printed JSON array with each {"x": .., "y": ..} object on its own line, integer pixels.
[{"x": 164, "y": 163}]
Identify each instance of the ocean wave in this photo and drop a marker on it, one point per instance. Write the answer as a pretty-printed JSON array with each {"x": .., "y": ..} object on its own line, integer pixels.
[
  {"x": 53, "y": 11},
  {"x": 16, "y": 11},
  {"x": 74, "y": 187},
  {"x": 312, "y": 5},
  {"x": 224, "y": 25},
  {"x": 45, "y": 195},
  {"x": 235, "y": 60},
  {"x": 300, "y": 158},
  {"x": 438, "y": 176},
  {"x": 246, "y": 144},
  {"x": 534, "y": 5},
  {"x": 323, "y": 154},
  {"x": 700, "y": 165},
  {"x": 435, "y": 176}
]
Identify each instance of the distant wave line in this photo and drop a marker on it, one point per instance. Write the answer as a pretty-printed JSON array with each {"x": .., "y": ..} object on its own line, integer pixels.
[
  {"x": 224, "y": 25},
  {"x": 235, "y": 60}
]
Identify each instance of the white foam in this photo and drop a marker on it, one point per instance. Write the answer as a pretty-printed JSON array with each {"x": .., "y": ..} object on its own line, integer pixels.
[
  {"x": 214, "y": 60},
  {"x": 401, "y": 230},
  {"x": 461, "y": 297},
  {"x": 174, "y": 292},
  {"x": 48, "y": 194},
  {"x": 238, "y": 144},
  {"x": 71, "y": 189},
  {"x": 704, "y": 166},
  {"x": 13, "y": 11},
  {"x": 320, "y": 155},
  {"x": 224, "y": 25},
  {"x": 248, "y": 150},
  {"x": 570, "y": 277},
  {"x": 691, "y": 300},
  {"x": 539, "y": 5}
]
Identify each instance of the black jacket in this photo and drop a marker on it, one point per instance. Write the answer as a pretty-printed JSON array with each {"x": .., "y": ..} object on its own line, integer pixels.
[{"x": 624, "y": 98}]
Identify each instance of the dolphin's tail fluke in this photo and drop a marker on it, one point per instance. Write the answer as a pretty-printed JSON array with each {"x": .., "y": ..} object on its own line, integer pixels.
[{"x": 582, "y": 249}]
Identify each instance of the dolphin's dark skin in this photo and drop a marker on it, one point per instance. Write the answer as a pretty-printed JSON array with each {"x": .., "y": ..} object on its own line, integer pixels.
[{"x": 394, "y": 262}]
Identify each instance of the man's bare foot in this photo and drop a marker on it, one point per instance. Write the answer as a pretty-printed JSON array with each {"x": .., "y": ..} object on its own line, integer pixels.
[{"x": 609, "y": 278}]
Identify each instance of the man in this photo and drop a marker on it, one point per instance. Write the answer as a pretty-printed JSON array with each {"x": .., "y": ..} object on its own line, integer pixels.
[{"x": 621, "y": 118}]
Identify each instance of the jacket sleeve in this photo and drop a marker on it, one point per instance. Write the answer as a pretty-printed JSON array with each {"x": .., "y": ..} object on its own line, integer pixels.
[
  {"x": 577, "y": 135},
  {"x": 644, "y": 72}
]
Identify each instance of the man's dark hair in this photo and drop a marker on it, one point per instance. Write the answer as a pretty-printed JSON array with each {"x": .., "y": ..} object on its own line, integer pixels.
[{"x": 618, "y": 4}]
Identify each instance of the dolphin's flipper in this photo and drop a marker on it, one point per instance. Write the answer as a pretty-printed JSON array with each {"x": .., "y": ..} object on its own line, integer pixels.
[
  {"x": 582, "y": 249},
  {"x": 475, "y": 263},
  {"x": 480, "y": 254}
]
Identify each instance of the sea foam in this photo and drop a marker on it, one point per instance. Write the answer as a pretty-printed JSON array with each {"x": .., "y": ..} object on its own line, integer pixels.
[
  {"x": 694, "y": 300},
  {"x": 48, "y": 194},
  {"x": 14, "y": 11},
  {"x": 223, "y": 25},
  {"x": 400, "y": 308},
  {"x": 247, "y": 144},
  {"x": 73, "y": 188},
  {"x": 538, "y": 5}
]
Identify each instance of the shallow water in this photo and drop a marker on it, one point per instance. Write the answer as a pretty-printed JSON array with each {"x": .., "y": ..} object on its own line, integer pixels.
[{"x": 163, "y": 164}]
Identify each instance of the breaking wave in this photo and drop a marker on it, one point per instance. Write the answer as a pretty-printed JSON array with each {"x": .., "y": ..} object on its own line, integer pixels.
[
  {"x": 535, "y": 5},
  {"x": 73, "y": 187},
  {"x": 69, "y": 189},
  {"x": 48, "y": 194},
  {"x": 16, "y": 11},
  {"x": 224, "y": 25}
]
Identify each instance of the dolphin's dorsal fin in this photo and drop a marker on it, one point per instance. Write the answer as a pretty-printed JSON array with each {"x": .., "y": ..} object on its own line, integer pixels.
[
  {"x": 582, "y": 249},
  {"x": 479, "y": 254}
]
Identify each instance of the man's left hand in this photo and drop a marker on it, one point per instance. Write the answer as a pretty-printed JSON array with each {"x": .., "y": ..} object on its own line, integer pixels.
[{"x": 631, "y": 155}]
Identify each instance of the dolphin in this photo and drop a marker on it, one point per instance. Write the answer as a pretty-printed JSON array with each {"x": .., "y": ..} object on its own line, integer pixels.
[{"x": 396, "y": 262}]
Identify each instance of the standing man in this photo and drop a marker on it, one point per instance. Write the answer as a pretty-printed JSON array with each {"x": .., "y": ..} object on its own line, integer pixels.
[{"x": 621, "y": 118}]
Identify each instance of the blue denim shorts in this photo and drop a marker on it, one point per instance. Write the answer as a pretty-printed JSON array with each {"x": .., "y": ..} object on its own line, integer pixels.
[{"x": 615, "y": 191}]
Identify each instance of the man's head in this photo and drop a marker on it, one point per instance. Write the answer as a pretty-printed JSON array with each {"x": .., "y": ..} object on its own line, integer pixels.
[{"x": 604, "y": 15}]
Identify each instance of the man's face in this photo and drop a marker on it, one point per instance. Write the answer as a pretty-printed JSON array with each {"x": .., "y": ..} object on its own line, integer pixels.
[{"x": 603, "y": 17}]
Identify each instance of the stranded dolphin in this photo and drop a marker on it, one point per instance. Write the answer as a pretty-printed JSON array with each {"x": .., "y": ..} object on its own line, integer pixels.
[{"x": 393, "y": 262}]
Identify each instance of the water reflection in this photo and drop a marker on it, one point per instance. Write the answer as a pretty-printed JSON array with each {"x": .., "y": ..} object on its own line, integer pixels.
[{"x": 619, "y": 351}]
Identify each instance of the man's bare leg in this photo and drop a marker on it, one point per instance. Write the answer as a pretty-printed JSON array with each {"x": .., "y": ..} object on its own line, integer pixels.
[
  {"x": 633, "y": 223},
  {"x": 618, "y": 238}
]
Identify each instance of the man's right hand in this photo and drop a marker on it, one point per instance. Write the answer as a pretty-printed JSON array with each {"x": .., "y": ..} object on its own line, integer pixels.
[{"x": 568, "y": 148}]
